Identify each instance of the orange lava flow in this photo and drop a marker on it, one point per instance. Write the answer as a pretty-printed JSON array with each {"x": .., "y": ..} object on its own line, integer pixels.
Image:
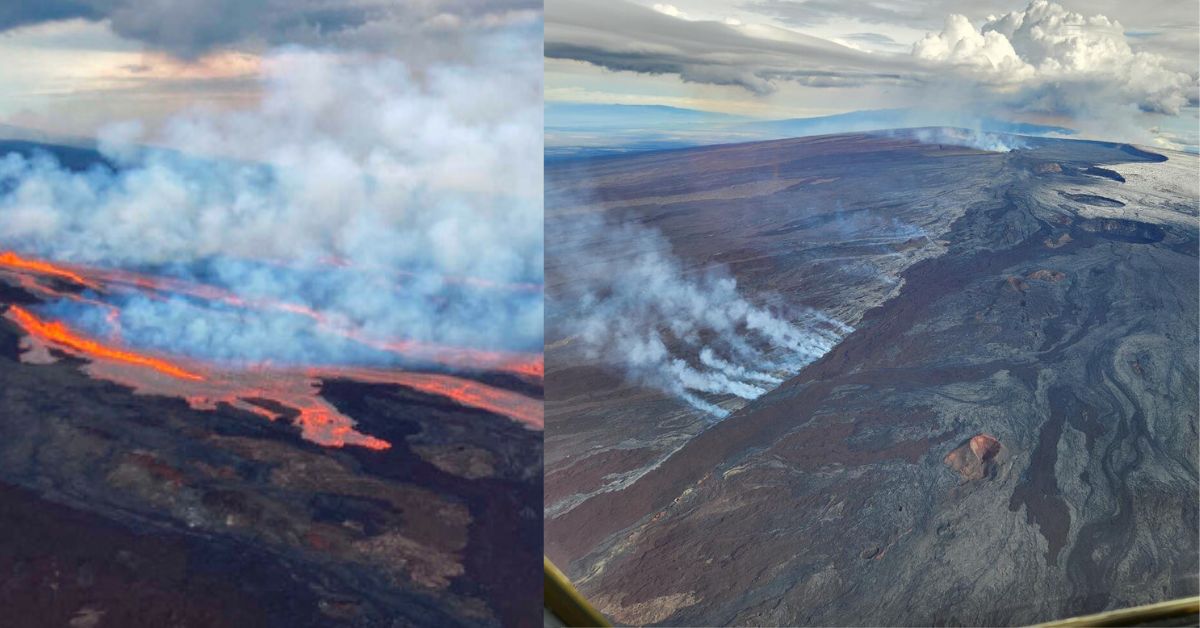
[
  {"x": 529, "y": 365},
  {"x": 12, "y": 260},
  {"x": 526, "y": 364},
  {"x": 523, "y": 364},
  {"x": 273, "y": 393},
  {"x": 535, "y": 366},
  {"x": 58, "y": 333},
  {"x": 464, "y": 392},
  {"x": 289, "y": 393}
]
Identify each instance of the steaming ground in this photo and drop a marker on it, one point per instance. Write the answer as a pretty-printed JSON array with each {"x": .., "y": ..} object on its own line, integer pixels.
[
  {"x": 627, "y": 301},
  {"x": 974, "y": 451}
]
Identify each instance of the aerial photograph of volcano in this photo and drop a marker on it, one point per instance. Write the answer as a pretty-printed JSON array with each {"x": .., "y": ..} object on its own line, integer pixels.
[
  {"x": 873, "y": 313},
  {"x": 270, "y": 313}
]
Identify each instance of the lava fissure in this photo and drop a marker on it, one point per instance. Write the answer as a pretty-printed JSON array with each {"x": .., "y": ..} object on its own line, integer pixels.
[
  {"x": 60, "y": 334},
  {"x": 272, "y": 392},
  {"x": 104, "y": 280}
]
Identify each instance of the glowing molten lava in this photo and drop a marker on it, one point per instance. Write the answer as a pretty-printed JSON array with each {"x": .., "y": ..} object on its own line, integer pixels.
[
  {"x": 11, "y": 260},
  {"x": 102, "y": 279},
  {"x": 59, "y": 334},
  {"x": 464, "y": 392},
  {"x": 267, "y": 391},
  {"x": 292, "y": 393}
]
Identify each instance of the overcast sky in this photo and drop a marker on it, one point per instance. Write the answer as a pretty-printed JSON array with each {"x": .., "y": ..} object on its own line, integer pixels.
[
  {"x": 74, "y": 66},
  {"x": 1105, "y": 67}
]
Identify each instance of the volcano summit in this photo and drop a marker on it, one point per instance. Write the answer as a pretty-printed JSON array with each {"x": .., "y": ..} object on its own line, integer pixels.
[{"x": 1001, "y": 428}]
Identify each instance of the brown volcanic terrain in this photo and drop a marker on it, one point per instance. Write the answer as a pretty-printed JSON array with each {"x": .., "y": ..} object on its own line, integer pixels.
[
  {"x": 1008, "y": 436},
  {"x": 119, "y": 508}
]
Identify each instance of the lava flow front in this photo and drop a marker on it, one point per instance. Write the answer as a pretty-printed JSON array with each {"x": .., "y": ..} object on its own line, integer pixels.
[
  {"x": 268, "y": 391},
  {"x": 59, "y": 334}
]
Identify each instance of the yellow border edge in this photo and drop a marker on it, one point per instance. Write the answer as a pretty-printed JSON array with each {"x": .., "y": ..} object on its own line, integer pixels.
[
  {"x": 564, "y": 601},
  {"x": 1133, "y": 616}
]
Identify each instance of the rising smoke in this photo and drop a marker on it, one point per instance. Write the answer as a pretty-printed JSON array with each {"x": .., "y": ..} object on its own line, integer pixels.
[
  {"x": 968, "y": 138},
  {"x": 404, "y": 202},
  {"x": 629, "y": 302}
]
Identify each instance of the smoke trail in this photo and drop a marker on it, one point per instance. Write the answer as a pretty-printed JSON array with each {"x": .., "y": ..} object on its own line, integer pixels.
[
  {"x": 424, "y": 183},
  {"x": 629, "y": 302}
]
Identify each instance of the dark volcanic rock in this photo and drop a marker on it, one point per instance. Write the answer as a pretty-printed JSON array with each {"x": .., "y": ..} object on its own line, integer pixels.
[
  {"x": 1093, "y": 199},
  {"x": 1057, "y": 334},
  {"x": 1104, "y": 172},
  {"x": 136, "y": 510}
]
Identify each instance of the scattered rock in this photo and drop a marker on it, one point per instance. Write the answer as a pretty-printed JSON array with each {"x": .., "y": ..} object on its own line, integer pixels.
[
  {"x": 1062, "y": 240},
  {"x": 462, "y": 460},
  {"x": 86, "y": 617},
  {"x": 1092, "y": 199},
  {"x": 1052, "y": 276},
  {"x": 158, "y": 469},
  {"x": 646, "y": 612},
  {"x": 1132, "y": 231},
  {"x": 343, "y": 608},
  {"x": 425, "y": 565},
  {"x": 1048, "y": 168}
]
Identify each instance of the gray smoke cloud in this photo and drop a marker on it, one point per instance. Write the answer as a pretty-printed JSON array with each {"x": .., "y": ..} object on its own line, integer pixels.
[
  {"x": 425, "y": 186},
  {"x": 191, "y": 28},
  {"x": 629, "y": 302}
]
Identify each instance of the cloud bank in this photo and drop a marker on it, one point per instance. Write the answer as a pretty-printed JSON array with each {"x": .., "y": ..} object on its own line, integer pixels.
[
  {"x": 623, "y": 36},
  {"x": 189, "y": 28}
]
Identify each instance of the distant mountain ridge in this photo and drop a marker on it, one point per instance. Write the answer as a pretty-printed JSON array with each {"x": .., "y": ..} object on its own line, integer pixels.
[{"x": 586, "y": 129}]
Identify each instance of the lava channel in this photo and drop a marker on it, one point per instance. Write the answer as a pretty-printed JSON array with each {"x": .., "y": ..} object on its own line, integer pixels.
[
  {"x": 528, "y": 365},
  {"x": 295, "y": 393}
]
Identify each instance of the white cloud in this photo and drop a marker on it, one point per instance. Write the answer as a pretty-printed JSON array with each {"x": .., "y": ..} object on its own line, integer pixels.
[
  {"x": 671, "y": 10},
  {"x": 1053, "y": 56},
  {"x": 988, "y": 54}
]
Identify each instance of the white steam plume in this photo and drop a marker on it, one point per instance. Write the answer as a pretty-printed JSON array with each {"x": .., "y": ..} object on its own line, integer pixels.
[
  {"x": 413, "y": 178},
  {"x": 969, "y": 138},
  {"x": 630, "y": 303}
]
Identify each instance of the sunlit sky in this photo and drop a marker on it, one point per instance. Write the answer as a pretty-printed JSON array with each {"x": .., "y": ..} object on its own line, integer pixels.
[
  {"x": 73, "y": 67},
  {"x": 793, "y": 58},
  {"x": 75, "y": 76},
  {"x": 764, "y": 58}
]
